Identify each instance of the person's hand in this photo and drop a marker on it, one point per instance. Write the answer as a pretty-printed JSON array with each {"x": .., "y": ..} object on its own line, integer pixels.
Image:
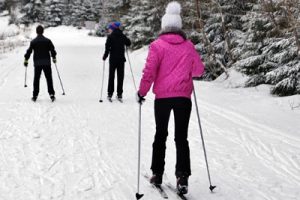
[
  {"x": 25, "y": 63},
  {"x": 140, "y": 99},
  {"x": 54, "y": 60},
  {"x": 103, "y": 58}
]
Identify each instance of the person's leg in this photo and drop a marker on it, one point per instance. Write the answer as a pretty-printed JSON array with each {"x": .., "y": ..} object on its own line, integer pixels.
[
  {"x": 36, "y": 80},
  {"x": 182, "y": 111},
  {"x": 120, "y": 73},
  {"x": 48, "y": 74},
  {"x": 162, "y": 114},
  {"x": 111, "y": 79}
]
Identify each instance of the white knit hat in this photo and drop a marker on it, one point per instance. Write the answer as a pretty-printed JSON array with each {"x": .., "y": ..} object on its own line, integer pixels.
[{"x": 172, "y": 17}]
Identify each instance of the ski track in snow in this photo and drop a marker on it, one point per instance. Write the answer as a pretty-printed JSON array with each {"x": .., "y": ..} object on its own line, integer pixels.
[
  {"x": 275, "y": 152},
  {"x": 251, "y": 136},
  {"x": 77, "y": 148},
  {"x": 70, "y": 153}
]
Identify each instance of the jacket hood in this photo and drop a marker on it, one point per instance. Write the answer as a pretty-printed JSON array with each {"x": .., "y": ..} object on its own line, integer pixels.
[{"x": 172, "y": 36}]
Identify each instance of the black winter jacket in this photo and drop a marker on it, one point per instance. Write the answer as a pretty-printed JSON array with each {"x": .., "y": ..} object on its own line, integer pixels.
[
  {"x": 42, "y": 48},
  {"x": 115, "y": 46}
]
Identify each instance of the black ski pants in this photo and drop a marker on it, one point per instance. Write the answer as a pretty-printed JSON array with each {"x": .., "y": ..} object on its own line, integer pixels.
[
  {"x": 37, "y": 75},
  {"x": 181, "y": 107},
  {"x": 113, "y": 66}
]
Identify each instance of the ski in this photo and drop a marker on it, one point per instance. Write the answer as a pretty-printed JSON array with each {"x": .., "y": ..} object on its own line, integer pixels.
[
  {"x": 160, "y": 191},
  {"x": 158, "y": 188},
  {"x": 173, "y": 189},
  {"x": 109, "y": 99}
]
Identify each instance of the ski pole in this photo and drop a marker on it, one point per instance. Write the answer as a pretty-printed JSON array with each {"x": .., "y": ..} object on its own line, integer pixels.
[
  {"x": 131, "y": 70},
  {"x": 138, "y": 195},
  {"x": 102, "y": 82},
  {"x": 25, "y": 85},
  {"x": 60, "y": 80},
  {"x": 211, "y": 187}
]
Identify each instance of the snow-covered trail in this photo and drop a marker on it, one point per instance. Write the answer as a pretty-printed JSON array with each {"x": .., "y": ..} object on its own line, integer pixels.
[{"x": 78, "y": 148}]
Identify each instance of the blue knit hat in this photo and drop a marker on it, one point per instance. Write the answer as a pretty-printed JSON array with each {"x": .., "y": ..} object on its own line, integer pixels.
[{"x": 114, "y": 25}]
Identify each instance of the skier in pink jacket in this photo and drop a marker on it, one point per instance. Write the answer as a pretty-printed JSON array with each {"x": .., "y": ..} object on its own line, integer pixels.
[{"x": 171, "y": 64}]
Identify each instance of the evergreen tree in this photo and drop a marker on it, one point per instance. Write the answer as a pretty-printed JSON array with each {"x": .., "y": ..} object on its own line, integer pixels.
[
  {"x": 142, "y": 22},
  {"x": 278, "y": 48},
  {"x": 34, "y": 12},
  {"x": 54, "y": 12},
  {"x": 78, "y": 12}
]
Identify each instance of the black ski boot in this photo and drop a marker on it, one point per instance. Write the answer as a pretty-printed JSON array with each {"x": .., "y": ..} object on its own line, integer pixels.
[
  {"x": 109, "y": 98},
  {"x": 34, "y": 98},
  {"x": 156, "y": 179},
  {"x": 52, "y": 97},
  {"x": 182, "y": 183},
  {"x": 119, "y": 98}
]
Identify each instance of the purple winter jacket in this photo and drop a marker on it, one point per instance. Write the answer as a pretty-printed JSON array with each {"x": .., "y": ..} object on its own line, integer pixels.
[{"x": 171, "y": 63}]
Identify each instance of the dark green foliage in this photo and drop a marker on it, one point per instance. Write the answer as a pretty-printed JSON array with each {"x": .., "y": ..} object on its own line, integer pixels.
[
  {"x": 55, "y": 12},
  {"x": 255, "y": 80},
  {"x": 286, "y": 86}
]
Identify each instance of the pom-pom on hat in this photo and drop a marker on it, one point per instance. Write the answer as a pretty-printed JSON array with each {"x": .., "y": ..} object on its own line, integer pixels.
[
  {"x": 172, "y": 17},
  {"x": 114, "y": 25}
]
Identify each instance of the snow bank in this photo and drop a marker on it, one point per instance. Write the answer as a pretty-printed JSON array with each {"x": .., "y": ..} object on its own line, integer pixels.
[
  {"x": 11, "y": 36},
  {"x": 232, "y": 79}
]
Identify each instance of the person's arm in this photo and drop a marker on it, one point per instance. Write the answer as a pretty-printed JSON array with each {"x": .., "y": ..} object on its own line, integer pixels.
[
  {"x": 29, "y": 51},
  {"x": 52, "y": 50},
  {"x": 127, "y": 41},
  {"x": 150, "y": 70},
  {"x": 107, "y": 47},
  {"x": 198, "y": 65},
  {"x": 27, "y": 54}
]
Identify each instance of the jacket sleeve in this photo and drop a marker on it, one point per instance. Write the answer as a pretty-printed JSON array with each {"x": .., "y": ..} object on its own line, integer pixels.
[
  {"x": 198, "y": 66},
  {"x": 29, "y": 51},
  {"x": 127, "y": 41},
  {"x": 52, "y": 50},
  {"x": 107, "y": 47},
  {"x": 150, "y": 70}
]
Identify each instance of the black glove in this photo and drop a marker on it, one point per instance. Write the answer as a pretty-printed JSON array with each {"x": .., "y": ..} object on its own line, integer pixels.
[
  {"x": 104, "y": 58},
  {"x": 140, "y": 99},
  {"x": 54, "y": 60},
  {"x": 25, "y": 63}
]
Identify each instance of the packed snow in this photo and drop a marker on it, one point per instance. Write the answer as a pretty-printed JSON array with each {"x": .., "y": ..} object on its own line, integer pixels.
[{"x": 77, "y": 148}]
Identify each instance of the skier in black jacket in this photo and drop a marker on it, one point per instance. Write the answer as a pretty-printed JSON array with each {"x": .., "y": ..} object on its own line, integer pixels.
[
  {"x": 42, "y": 48},
  {"x": 115, "y": 47}
]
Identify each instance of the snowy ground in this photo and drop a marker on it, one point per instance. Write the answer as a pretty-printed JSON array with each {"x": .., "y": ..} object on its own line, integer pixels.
[{"x": 78, "y": 148}]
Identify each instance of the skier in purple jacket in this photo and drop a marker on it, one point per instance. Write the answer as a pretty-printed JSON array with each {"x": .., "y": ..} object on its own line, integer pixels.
[{"x": 171, "y": 64}]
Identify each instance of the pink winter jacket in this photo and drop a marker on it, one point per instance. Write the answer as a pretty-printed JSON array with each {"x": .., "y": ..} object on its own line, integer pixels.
[{"x": 171, "y": 63}]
